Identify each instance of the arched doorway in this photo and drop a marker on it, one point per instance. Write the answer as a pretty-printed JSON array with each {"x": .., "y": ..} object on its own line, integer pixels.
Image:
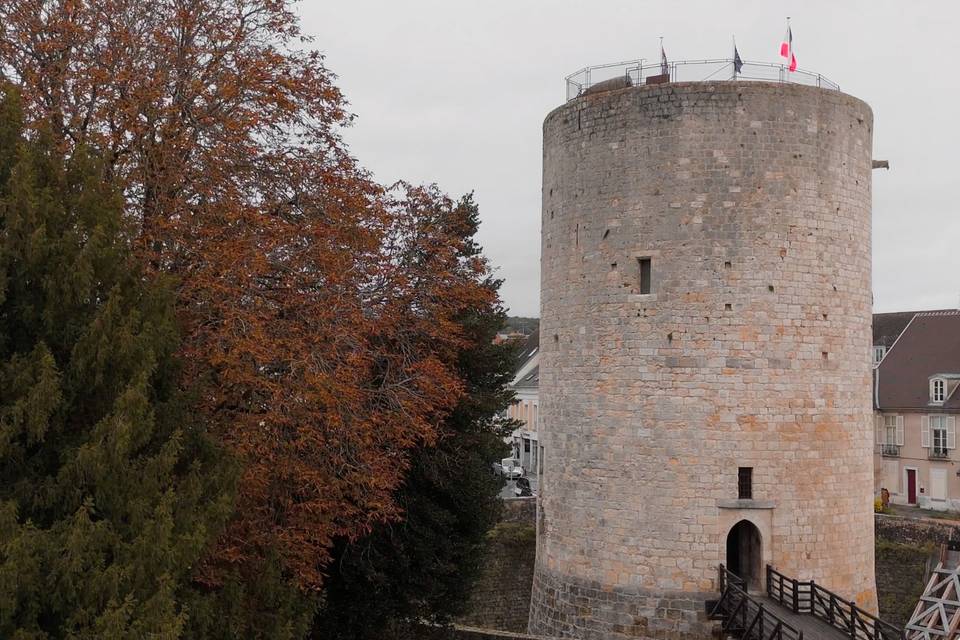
[{"x": 745, "y": 553}]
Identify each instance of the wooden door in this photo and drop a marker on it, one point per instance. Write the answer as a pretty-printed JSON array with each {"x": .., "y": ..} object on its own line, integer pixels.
[{"x": 911, "y": 486}]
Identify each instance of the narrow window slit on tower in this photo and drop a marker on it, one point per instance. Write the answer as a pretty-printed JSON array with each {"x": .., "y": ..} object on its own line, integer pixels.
[
  {"x": 670, "y": 337},
  {"x": 745, "y": 483},
  {"x": 645, "y": 274},
  {"x": 727, "y": 265},
  {"x": 728, "y": 307},
  {"x": 606, "y": 233},
  {"x": 613, "y": 266},
  {"x": 824, "y": 355},
  {"x": 770, "y": 287}
]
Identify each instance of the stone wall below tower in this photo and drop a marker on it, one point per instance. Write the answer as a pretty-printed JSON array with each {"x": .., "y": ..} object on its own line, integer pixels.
[{"x": 568, "y": 608}]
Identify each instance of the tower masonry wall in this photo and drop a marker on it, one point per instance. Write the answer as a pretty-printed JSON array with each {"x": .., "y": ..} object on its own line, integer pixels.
[{"x": 752, "y": 349}]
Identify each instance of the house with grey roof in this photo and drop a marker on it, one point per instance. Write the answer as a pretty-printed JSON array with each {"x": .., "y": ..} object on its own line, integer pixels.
[
  {"x": 917, "y": 400},
  {"x": 887, "y": 327}
]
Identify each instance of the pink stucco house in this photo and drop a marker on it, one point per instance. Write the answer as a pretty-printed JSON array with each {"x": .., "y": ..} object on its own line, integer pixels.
[{"x": 917, "y": 402}]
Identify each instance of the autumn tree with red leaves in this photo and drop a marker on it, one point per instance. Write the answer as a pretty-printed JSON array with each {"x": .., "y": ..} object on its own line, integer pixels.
[{"x": 319, "y": 308}]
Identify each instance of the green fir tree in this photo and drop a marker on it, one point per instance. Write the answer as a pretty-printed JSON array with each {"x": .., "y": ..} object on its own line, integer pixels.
[{"x": 110, "y": 492}]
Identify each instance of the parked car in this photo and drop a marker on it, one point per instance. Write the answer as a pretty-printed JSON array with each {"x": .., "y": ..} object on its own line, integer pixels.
[
  {"x": 523, "y": 488},
  {"x": 510, "y": 467}
]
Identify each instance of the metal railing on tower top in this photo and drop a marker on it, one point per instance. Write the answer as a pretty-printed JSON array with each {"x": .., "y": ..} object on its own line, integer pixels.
[{"x": 692, "y": 71}]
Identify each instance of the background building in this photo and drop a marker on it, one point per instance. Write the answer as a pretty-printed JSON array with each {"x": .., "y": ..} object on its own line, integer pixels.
[
  {"x": 916, "y": 407},
  {"x": 526, "y": 409},
  {"x": 887, "y": 327}
]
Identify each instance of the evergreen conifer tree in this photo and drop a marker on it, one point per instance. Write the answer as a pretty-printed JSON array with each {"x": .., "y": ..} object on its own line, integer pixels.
[{"x": 110, "y": 491}]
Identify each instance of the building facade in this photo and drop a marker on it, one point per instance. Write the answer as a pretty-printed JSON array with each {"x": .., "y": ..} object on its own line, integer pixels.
[
  {"x": 526, "y": 408},
  {"x": 917, "y": 403},
  {"x": 705, "y": 380}
]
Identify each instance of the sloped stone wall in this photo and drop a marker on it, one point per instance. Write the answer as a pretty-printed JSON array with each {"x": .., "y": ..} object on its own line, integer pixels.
[
  {"x": 906, "y": 550},
  {"x": 501, "y": 597}
]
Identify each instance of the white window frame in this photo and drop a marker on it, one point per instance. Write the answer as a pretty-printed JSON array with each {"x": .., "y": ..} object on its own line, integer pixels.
[
  {"x": 888, "y": 425},
  {"x": 938, "y": 433},
  {"x": 889, "y": 429},
  {"x": 938, "y": 390},
  {"x": 878, "y": 352},
  {"x": 945, "y": 425}
]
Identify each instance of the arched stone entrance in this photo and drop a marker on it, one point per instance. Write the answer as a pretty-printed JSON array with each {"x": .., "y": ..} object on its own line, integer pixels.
[{"x": 745, "y": 553}]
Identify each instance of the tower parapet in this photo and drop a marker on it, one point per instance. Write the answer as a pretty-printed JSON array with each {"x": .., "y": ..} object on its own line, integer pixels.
[{"x": 639, "y": 72}]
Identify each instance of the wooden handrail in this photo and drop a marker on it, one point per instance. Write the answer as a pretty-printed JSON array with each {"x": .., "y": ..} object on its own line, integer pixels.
[
  {"x": 809, "y": 597},
  {"x": 745, "y": 616}
]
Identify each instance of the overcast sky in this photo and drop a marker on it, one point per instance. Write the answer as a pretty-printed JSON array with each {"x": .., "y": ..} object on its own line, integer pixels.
[{"x": 455, "y": 92}]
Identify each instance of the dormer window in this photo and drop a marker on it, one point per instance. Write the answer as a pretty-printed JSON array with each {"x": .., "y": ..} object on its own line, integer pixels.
[
  {"x": 878, "y": 352},
  {"x": 938, "y": 390}
]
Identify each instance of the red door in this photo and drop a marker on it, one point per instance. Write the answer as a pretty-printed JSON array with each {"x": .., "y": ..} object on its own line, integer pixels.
[{"x": 911, "y": 486}]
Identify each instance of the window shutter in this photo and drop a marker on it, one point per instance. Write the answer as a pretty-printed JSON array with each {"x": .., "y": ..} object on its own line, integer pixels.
[
  {"x": 899, "y": 431},
  {"x": 878, "y": 428},
  {"x": 938, "y": 484},
  {"x": 924, "y": 431},
  {"x": 951, "y": 432}
]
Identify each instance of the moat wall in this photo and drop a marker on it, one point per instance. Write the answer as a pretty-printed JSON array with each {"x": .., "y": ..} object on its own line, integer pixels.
[
  {"x": 752, "y": 203},
  {"x": 501, "y": 595},
  {"x": 907, "y": 549},
  {"x": 903, "y": 549}
]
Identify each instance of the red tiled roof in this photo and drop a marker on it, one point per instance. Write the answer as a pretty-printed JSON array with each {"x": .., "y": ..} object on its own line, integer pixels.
[{"x": 929, "y": 345}]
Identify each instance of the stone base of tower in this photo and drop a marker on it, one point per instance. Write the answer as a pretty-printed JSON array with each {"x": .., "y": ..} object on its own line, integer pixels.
[{"x": 566, "y": 607}]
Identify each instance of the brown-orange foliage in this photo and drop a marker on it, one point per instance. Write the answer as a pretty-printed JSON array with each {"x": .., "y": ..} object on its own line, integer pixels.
[{"x": 318, "y": 307}]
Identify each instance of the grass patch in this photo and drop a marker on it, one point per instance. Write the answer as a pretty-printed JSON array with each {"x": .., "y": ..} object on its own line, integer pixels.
[{"x": 900, "y": 570}]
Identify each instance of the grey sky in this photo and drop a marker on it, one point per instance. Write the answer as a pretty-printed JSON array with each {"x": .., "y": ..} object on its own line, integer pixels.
[{"x": 455, "y": 92}]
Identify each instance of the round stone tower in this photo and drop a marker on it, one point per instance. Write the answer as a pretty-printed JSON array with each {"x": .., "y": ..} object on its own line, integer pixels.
[{"x": 705, "y": 378}]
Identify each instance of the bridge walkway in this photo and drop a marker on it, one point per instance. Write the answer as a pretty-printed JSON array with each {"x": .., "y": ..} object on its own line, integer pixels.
[
  {"x": 813, "y": 627},
  {"x": 794, "y": 609}
]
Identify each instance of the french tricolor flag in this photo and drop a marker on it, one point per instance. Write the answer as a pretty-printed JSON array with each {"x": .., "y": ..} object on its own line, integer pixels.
[{"x": 786, "y": 49}]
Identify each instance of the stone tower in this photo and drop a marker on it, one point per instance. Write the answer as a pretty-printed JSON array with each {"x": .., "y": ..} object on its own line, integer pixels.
[{"x": 705, "y": 376}]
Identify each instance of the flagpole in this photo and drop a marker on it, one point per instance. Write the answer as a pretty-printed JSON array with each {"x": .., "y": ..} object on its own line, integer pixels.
[
  {"x": 790, "y": 50},
  {"x": 734, "y": 57}
]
